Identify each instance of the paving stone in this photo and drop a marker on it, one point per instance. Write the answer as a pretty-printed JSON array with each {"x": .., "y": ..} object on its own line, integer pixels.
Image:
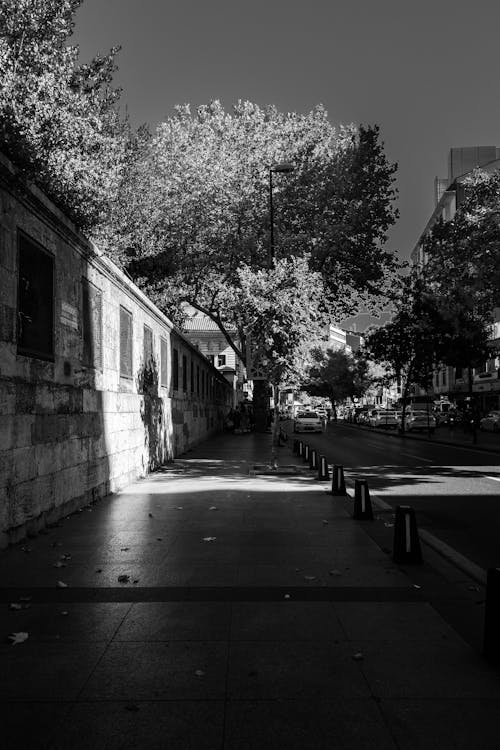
[
  {"x": 166, "y": 621},
  {"x": 139, "y": 724}
]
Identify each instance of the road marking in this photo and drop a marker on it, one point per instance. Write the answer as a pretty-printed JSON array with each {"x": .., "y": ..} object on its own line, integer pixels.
[
  {"x": 495, "y": 479},
  {"x": 412, "y": 455}
]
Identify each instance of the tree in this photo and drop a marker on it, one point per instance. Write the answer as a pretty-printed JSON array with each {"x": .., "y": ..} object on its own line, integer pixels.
[
  {"x": 337, "y": 375},
  {"x": 410, "y": 345},
  {"x": 59, "y": 121},
  {"x": 193, "y": 209}
]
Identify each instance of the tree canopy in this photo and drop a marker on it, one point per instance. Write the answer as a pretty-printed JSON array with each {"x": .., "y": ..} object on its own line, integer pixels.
[
  {"x": 59, "y": 120},
  {"x": 193, "y": 208},
  {"x": 337, "y": 375}
]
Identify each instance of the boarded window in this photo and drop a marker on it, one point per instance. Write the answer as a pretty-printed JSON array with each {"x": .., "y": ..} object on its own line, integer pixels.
[
  {"x": 175, "y": 370},
  {"x": 125, "y": 343},
  {"x": 197, "y": 379},
  {"x": 35, "y": 300},
  {"x": 184, "y": 372},
  {"x": 211, "y": 358},
  {"x": 148, "y": 345},
  {"x": 192, "y": 376},
  {"x": 164, "y": 363},
  {"x": 92, "y": 325},
  {"x": 203, "y": 382}
]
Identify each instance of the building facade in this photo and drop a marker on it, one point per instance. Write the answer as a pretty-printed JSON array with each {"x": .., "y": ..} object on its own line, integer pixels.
[
  {"x": 449, "y": 382},
  {"x": 97, "y": 387}
]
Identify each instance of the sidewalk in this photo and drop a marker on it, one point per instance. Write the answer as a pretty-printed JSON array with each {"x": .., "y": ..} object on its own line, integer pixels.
[{"x": 255, "y": 613}]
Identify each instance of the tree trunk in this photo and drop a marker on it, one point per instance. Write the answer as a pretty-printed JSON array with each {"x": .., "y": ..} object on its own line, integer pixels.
[
  {"x": 275, "y": 428},
  {"x": 261, "y": 405}
]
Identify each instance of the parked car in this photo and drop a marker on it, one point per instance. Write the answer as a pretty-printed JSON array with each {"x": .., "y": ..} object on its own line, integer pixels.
[
  {"x": 418, "y": 420},
  {"x": 387, "y": 419},
  {"x": 307, "y": 421},
  {"x": 490, "y": 422}
]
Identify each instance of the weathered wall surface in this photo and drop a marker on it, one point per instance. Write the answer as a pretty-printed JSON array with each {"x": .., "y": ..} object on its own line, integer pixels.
[{"x": 74, "y": 425}]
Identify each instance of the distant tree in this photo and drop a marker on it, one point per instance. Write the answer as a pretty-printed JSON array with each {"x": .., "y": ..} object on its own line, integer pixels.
[
  {"x": 59, "y": 121},
  {"x": 410, "y": 345},
  {"x": 337, "y": 375}
]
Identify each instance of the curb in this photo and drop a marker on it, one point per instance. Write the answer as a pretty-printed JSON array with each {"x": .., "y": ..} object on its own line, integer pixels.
[{"x": 450, "y": 554}]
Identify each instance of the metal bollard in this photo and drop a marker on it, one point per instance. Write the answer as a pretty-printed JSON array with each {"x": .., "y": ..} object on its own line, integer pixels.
[
  {"x": 338, "y": 481},
  {"x": 296, "y": 447},
  {"x": 491, "y": 641},
  {"x": 406, "y": 547},
  {"x": 301, "y": 448},
  {"x": 313, "y": 459},
  {"x": 306, "y": 453},
  {"x": 362, "y": 503},
  {"x": 323, "y": 468}
]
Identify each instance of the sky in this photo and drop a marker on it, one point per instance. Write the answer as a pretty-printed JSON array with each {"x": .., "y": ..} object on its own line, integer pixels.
[{"x": 426, "y": 72}]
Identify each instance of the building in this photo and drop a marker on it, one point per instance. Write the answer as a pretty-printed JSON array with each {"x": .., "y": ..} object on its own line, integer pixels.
[
  {"x": 97, "y": 387},
  {"x": 449, "y": 382},
  {"x": 206, "y": 336}
]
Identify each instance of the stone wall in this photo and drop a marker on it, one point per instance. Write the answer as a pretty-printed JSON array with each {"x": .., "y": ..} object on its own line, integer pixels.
[{"x": 74, "y": 426}]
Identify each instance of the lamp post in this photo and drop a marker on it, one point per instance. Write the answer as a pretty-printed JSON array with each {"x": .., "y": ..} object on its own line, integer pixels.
[{"x": 284, "y": 168}]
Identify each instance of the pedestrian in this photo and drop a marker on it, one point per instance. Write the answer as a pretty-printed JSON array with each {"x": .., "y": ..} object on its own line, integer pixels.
[
  {"x": 237, "y": 421},
  {"x": 245, "y": 423}
]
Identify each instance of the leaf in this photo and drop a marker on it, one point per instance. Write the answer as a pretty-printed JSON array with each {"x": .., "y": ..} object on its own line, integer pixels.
[
  {"x": 59, "y": 564},
  {"x": 209, "y": 538},
  {"x": 61, "y": 585},
  {"x": 213, "y": 507},
  {"x": 123, "y": 578},
  {"x": 16, "y": 638},
  {"x": 199, "y": 673},
  {"x": 15, "y": 606},
  {"x": 358, "y": 656},
  {"x": 334, "y": 572},
  {"x": 310, "y": 578}
]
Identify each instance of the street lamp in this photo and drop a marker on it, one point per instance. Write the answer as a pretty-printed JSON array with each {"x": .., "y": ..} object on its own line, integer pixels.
[{"x": 284, "y": 168}]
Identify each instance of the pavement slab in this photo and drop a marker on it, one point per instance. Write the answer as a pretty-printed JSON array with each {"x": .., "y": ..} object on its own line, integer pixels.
[{"x": 292, "y": 627}]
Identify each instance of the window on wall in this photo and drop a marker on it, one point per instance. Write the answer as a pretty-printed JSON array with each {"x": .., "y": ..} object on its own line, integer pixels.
[
  {"x": 192, "y": 376},
  {"x": 444, "y": 377},
  {"x": 125, "y": 343},
  {"x": 147, "y": 345},
  {"x": 203, "y": 382},
  {"x": 35, "y": 300},
  {"x": 184, "y": 372},
  {"x": 175, "y": 370},
  {"x": 92, "y": 325},
  {"x": 163, "y": 363},
  {"x": 221, "y": 360},
  {"x": 211, "y": 358},
  {"x": 197, "y": 379}
]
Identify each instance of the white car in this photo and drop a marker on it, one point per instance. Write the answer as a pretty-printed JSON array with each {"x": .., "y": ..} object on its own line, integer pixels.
[
  {"x": 418, "y": 420},
  {"x": 490, "y": 422},
  {"x": 307, "y": 421},
  {"x": 387, "y": 419}
]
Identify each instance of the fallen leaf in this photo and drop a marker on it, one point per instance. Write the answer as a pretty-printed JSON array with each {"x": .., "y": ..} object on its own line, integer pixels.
[
  {"x": 310, "y": 578},
  {"x": 123, "y": 578},
  {"x": 124, "y": 549},
  {"x": 209, "y": 538},
  {"x": 16, "y": 638},
  {"x": 213, "y": 507},
  {"x": 65, "y": 613},
  {"x": 416, "y": 586},
  {"x": 15, "y": 606},
  {"x": 61, "y": 585},
  {"x": 131, "y": 707},
  {"x": 324, "y": 521},
  {"x": 334, "y": 572},
  {"x": 200, "y": 673},
  {"x": 357, "y": 656},
  {"x": 59, "y": 564}
]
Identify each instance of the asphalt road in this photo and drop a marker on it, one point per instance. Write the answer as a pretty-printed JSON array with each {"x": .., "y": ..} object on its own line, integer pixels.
[{"x": 455, "y": 490}]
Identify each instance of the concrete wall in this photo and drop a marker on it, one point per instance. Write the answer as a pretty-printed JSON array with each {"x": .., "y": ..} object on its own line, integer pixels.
[{"x": 71, "y": 432}]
